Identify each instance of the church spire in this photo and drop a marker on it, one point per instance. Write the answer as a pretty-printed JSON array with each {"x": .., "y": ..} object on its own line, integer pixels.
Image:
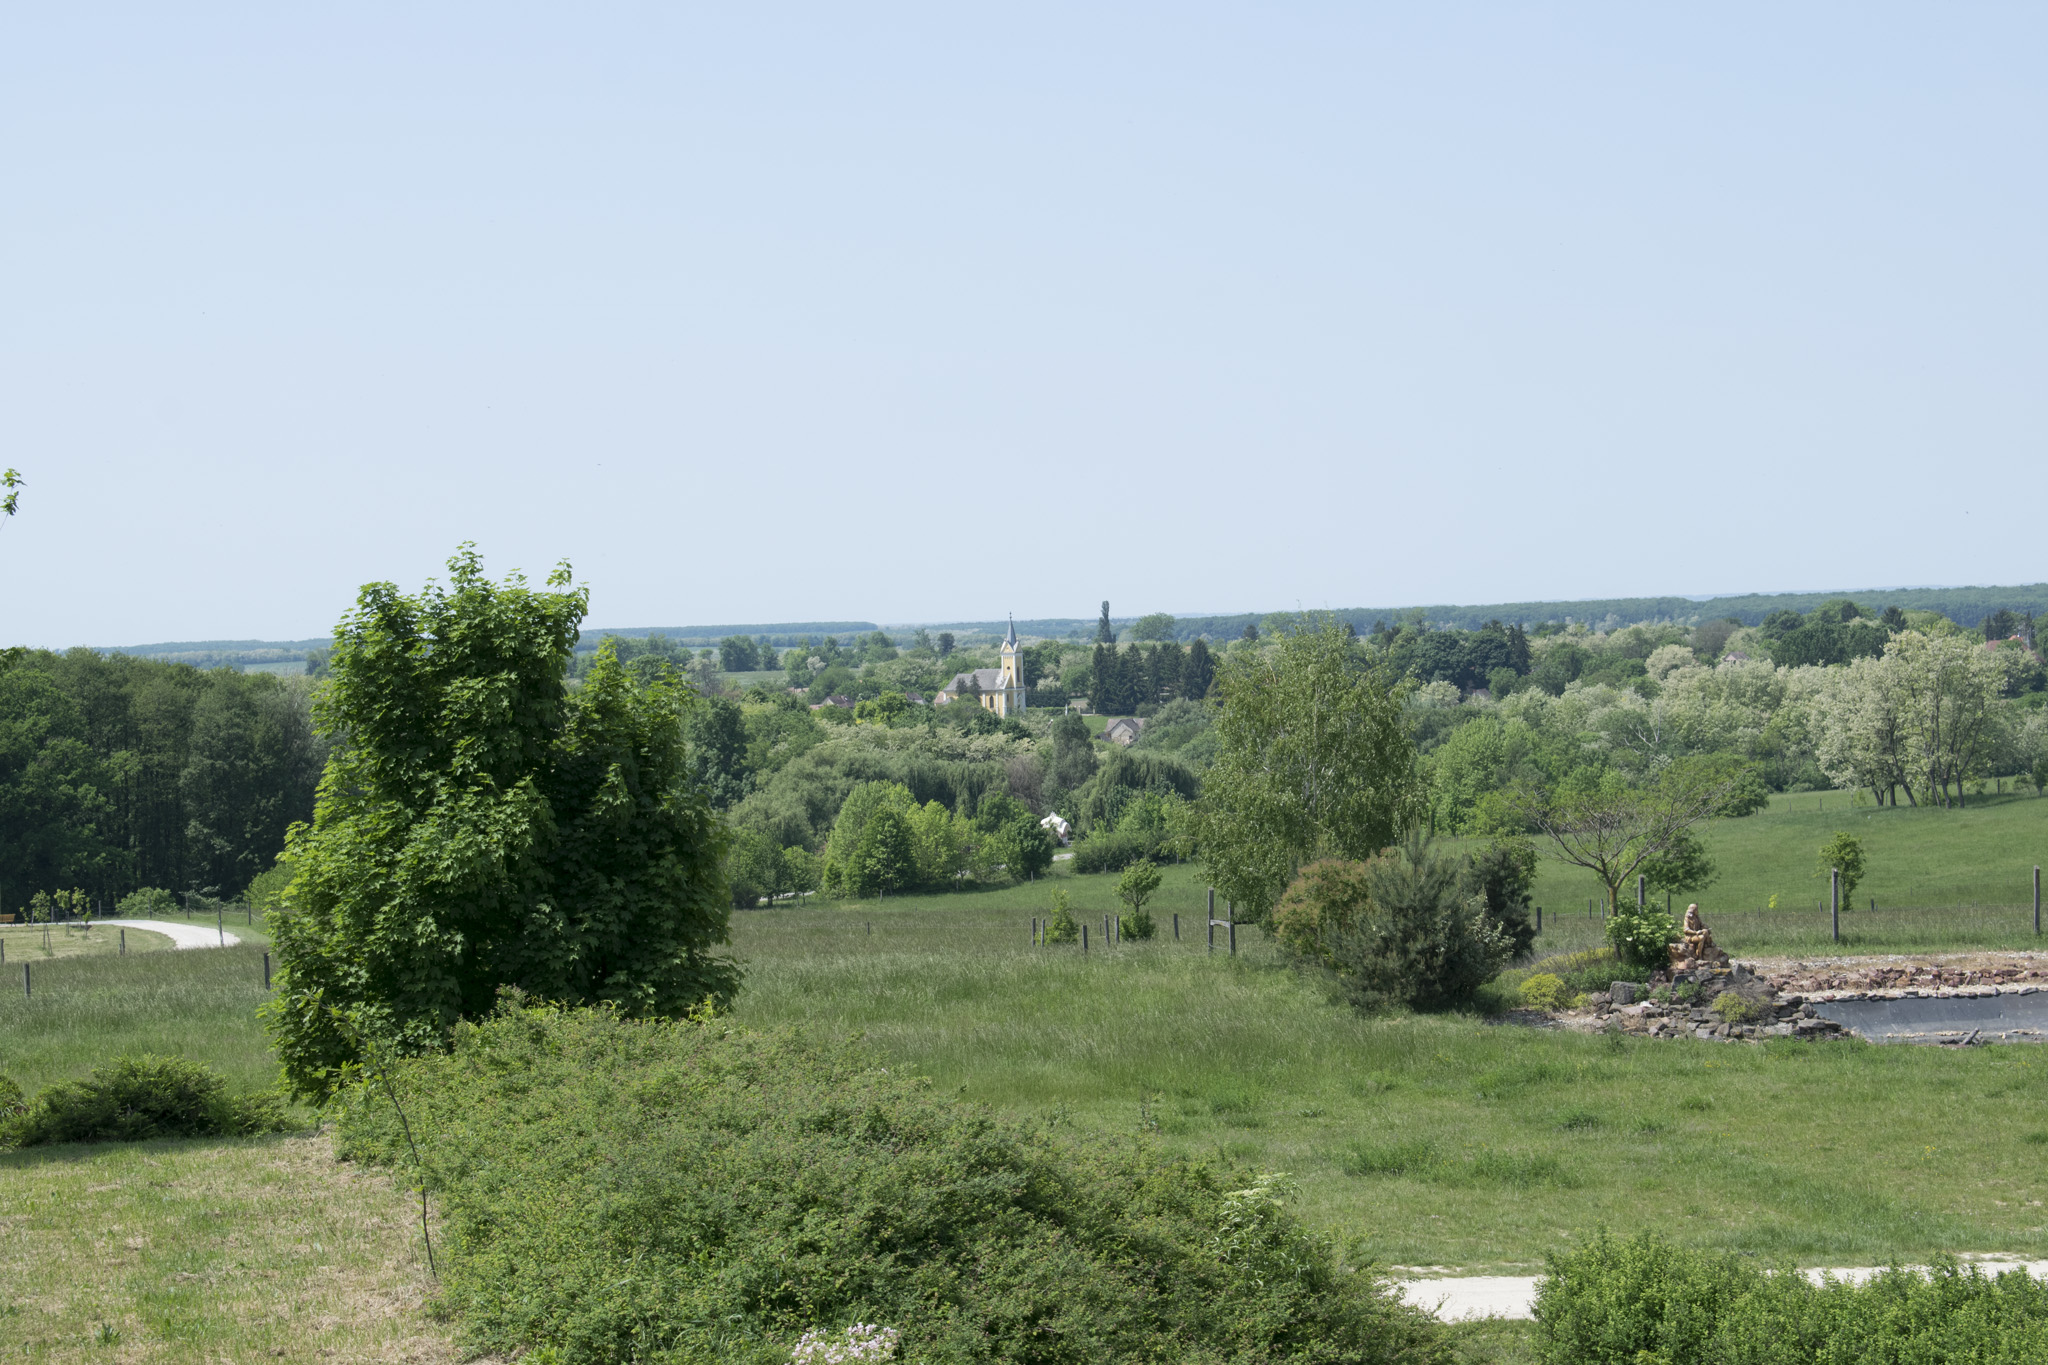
[{"x": 1012, "y": 641}]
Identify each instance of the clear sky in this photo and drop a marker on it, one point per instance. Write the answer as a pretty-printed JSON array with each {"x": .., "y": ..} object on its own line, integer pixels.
[{"x": 889, "y": 312}]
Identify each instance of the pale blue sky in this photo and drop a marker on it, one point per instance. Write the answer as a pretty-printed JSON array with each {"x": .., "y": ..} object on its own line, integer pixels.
[{"x": 915, "y": 313}]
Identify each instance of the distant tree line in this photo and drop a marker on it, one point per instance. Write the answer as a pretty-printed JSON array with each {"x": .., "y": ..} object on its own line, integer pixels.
[{"x": 118, "y": 772}]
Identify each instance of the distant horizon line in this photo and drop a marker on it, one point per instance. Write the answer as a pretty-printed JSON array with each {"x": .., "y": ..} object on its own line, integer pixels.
[{"x": 707, "y": 632}]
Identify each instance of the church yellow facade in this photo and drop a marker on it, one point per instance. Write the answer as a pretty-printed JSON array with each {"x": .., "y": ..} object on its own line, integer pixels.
[{"x": 1000, "y": 690}]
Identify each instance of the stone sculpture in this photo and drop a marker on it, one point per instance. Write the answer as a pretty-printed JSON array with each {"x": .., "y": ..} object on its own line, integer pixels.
[{"x": 1695, "y": 946}]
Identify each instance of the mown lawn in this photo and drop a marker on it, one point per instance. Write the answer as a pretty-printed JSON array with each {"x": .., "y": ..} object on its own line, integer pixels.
[
  {"x": 34, "y": 943},
  {"x": 1983, "y": 856},
  {"x": 228, "y": 1250}
]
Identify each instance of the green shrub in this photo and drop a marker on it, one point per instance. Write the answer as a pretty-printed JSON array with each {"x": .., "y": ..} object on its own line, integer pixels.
[
  {"x": 136, "y": 1099},
  {"x": 1111, "y": 851},
  {"x": 1321, "y": 905},
  {"x": 1646, "y": 1302},
  {"x": 623, "y": 1190},
  {"x": 1544, "y": 991},
  {"x": 151, "y": 902},
  {"x": 1139, "y": 925},
  {"x": 1734, "y": 1008},
  {"x": 1642, "y": 936},
  {"x": 11, "y": 1102},
  {"x": 1417, "y": 938},
  {"x": 1062, "y": 927}
]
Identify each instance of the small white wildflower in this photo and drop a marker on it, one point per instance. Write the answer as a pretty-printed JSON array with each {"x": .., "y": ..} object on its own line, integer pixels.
[{"x": 859, "y": 1344}]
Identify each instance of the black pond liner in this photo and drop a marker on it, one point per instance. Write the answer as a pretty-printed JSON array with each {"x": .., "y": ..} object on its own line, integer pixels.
[{"x": 1955, "y": 1019}]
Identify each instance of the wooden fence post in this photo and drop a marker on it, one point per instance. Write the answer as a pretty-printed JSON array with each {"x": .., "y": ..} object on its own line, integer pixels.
[
  {"x": 26, "y": 988},
  {"x": 1176, "y": 926},
  {"x": 1084, "y": 940},
  {"x": 1233, "y": 938},
  {"x": 1641, "y": 883},
  {"x": 124, "y": 943},
  {"x": 2037, "y": 897},
  {"x": 1835, "y": 899}
]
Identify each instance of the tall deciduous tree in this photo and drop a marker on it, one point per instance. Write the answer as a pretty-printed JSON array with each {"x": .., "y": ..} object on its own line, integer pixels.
[
  {"x": 1313, "y": 762},
  {"x": 478, "y": 827}
]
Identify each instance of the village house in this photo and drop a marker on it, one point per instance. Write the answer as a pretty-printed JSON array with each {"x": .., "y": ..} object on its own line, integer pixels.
[{"x": 1123, "y": 730}]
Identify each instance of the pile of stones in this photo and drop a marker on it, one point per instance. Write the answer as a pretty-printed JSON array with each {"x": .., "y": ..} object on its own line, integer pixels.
[{"x": 1682, "y": 1007}]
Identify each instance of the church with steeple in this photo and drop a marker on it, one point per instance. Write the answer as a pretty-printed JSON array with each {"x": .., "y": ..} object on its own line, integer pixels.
[{"x": 1000, "y": 690}]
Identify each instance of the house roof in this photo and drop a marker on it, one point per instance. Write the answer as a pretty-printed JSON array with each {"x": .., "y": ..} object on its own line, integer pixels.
[{"x": 990, "y": 680}]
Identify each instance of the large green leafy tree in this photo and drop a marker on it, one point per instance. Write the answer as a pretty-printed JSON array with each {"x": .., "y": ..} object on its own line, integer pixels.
[
  {"x": 479, "y": 827},
  {"x": 1313, "y": 762}
]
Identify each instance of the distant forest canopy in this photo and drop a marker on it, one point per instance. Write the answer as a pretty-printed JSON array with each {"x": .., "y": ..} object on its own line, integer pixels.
[{"x": 1964, "y": 606}]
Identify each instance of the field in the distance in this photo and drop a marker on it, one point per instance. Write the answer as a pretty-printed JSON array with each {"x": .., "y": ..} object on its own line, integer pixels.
[{"x": 1915, "y": 857}]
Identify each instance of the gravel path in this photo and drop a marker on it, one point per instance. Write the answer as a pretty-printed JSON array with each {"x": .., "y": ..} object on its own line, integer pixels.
[
  {"x": 180, "y": 935},
  {"x": 1514, "y": 1296}
]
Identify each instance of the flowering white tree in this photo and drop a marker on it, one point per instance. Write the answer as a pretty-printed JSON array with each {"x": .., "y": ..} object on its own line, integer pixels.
[{"x": 1923, "y": 715}]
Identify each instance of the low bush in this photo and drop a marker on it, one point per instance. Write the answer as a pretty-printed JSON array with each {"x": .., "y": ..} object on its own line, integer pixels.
[
  {"x": 1062, "y": 927},
  {"x": 1112, "y": 851},
  {"x": 11, "y": 1102},
  {"x": 621, "y": 1190},
  {"x": 1646, "y": 1302},
  {"x": 1642, "y": 936},
  {"x": 1139, "y": 924},
  {"x": 136, "y": 1099},
  {"x": 1543, "y": 991},
  {"x": 1592, "y": 970},
  {"x": 1734, "y": 1008},
  {"x": 151, "y": 902}
]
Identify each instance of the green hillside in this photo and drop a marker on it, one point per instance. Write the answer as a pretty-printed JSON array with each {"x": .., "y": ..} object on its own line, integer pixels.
[{"x": 1981, "y": 856}]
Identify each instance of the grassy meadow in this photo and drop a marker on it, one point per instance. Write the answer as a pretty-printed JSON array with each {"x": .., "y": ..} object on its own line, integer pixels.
[
  {"x": 1431, "y": 1140},
  {"x": 1424, "y": 1141},
  {"x": 199, "y": 1003},
  {"x": 1982, "y": 856}
]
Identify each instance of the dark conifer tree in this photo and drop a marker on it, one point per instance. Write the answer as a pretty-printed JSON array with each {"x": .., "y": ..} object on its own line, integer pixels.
[
  {"x": 1518, "y": 649},
  {"x": 1167, "y": 663},
  {"x": 1103, "y": 634},
  {"x": 1197, "y": 672}
]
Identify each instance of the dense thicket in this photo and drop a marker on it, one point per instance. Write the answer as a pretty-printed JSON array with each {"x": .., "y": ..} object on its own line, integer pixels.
[
  {"x": 118, "y": 772},
  {"x": 689, "y": 1192}
]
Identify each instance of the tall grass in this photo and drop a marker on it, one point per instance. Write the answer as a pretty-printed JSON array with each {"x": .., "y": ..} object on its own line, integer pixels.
[
  {"x": 1435, "y": 1139},
  {"x": 200, "y": 1003}
]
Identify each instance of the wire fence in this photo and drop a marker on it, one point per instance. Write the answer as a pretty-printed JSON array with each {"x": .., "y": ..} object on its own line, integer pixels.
[{"x": 1810, "y": 929}]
